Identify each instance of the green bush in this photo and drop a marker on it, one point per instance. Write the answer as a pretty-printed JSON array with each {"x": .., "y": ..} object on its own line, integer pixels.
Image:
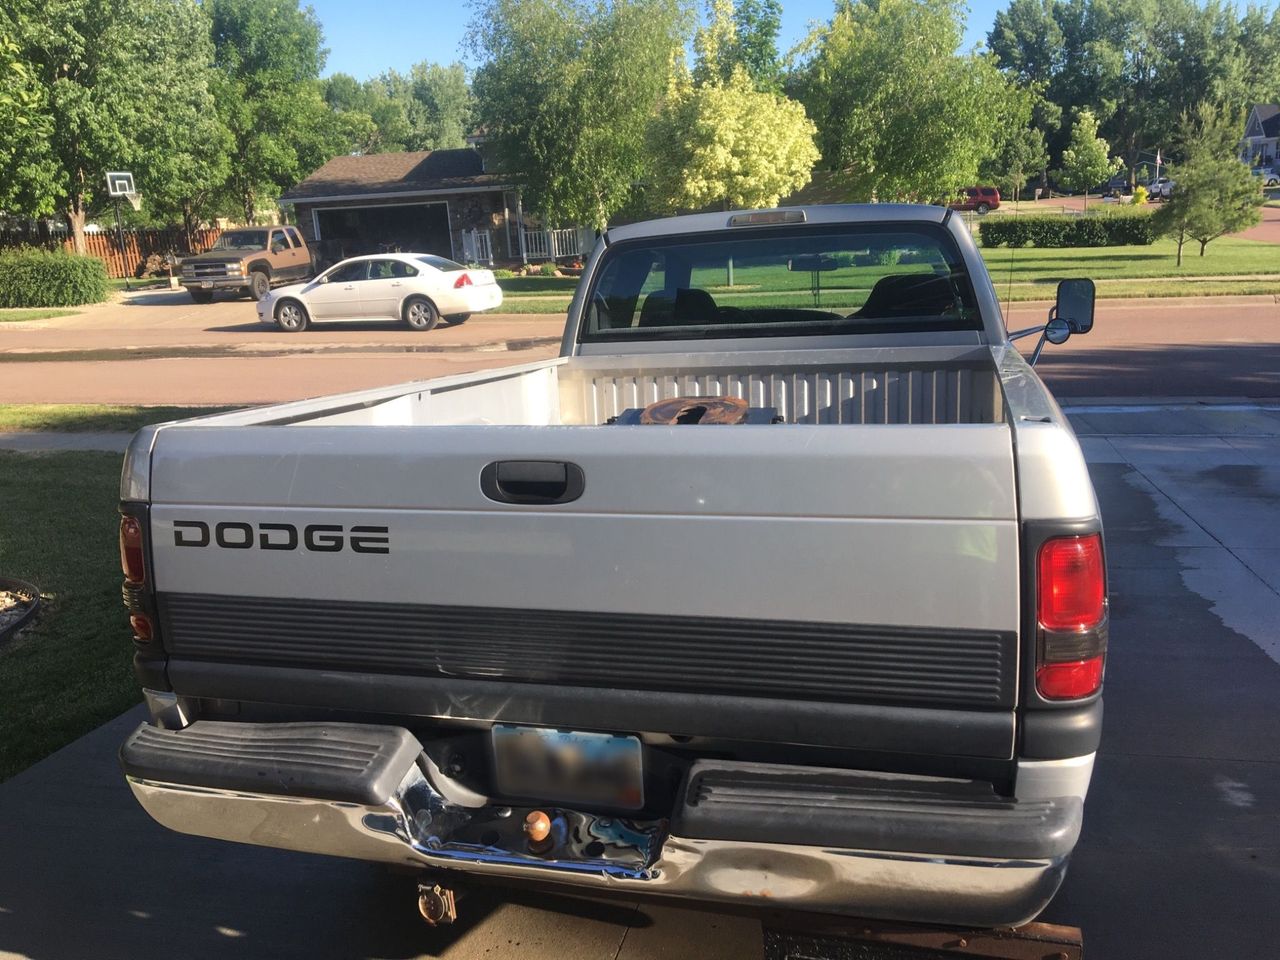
[
  {"x": 1112, "y": 229},
  {"x": 38, "y": 278},
  {"x": 501, "y": 274},
  {"x": 548, "y": 269}
]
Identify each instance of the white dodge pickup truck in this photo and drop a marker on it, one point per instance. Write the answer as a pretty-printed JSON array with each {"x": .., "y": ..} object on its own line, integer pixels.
[{"x": 784, "y": 580}]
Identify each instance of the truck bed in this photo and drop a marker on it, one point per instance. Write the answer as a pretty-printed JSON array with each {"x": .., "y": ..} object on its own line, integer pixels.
[{"x": 932, "y": 386}]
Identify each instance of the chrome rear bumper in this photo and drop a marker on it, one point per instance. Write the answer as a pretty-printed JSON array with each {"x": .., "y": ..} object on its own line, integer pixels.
[{"x": 419, "y": 825}]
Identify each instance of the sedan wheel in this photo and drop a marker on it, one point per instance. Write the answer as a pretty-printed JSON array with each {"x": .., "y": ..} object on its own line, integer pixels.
[
  {"x": 982, "y": 209},
  {"x": 290, "y": 317},
  {"x": 421, "y": 314}
]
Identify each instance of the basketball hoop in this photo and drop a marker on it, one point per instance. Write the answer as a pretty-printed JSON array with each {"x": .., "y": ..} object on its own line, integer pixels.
[{"x": 135, "y": 200}]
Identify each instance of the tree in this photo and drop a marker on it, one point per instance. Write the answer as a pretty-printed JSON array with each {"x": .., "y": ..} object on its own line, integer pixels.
[
  {"x": 1027, "y": 40},
  {"x": 756, "y": 24},
  {"x": 19, "y": 99},
  {"x": 565, "y": 92},
  {"x": 268, "y": 55},
  {"x": 723, "y": 141},
  {"x": 1216, "y": 194},
  {"x": 897, "y": 108},
  {"x": 120, "y": 85},
  {"x": 446, "y": 105},
  {"x": 742, "y": 34},
  {"x": 1086, "y": 160}
]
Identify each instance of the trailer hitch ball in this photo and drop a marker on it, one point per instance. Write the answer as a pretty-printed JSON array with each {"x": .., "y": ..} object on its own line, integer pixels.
[{"x": 437, "y": 904}]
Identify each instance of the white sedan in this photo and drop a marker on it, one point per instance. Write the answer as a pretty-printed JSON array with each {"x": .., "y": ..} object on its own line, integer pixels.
[{"x": 419, "y": 289}]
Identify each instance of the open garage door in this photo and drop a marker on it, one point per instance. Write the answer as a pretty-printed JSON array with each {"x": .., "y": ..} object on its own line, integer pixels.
[{"x": 406, "y": 227}]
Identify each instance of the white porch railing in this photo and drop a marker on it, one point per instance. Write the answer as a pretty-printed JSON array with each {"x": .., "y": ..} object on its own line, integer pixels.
[
  {"x": 477, "y": 246},
  {"x": 557, "y": 244}
]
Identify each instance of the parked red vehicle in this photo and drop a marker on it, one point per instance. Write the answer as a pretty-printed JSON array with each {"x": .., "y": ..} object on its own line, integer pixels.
[{"x": 980, "y": 199}]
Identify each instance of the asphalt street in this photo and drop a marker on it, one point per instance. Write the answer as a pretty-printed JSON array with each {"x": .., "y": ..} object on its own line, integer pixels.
[
  {"x": 158, "y": 347},
  {"x": 1181, "y": 846}
]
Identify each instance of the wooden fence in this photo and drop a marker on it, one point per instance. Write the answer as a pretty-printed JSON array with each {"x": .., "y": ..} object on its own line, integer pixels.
[{"x": 105, "y": 245}]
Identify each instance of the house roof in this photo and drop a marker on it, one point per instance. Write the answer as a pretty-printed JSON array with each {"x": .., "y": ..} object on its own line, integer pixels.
[
  {"x": 1268, "y": 115},
  {"x": 409, "y": 172}
]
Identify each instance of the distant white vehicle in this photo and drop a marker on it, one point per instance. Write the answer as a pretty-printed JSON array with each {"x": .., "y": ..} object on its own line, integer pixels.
[
  {"x": 419, "y": 289},
  {"x": 1160, "y": 189}
]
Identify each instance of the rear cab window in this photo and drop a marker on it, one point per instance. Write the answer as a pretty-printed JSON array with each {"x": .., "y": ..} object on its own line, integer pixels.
[{"x": 864, "y": 278}]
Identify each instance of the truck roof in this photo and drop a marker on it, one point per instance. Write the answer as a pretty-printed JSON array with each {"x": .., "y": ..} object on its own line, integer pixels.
[{"x": 828, "y": 213}]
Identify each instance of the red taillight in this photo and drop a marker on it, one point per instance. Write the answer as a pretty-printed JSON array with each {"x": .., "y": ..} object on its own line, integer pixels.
[
  {"x": 131, "y": 558},
  {"x": 141, "y": 624},
  {"x": 1072, "y": 584},
  {"x": 463, "y": 281},
  {"x": 1069, "y": 681},
  {"x": 1071, "y": 614}
]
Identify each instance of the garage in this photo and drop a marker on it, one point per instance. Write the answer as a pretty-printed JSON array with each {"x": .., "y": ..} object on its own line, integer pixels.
[
  {"x": 383, "y": 228},
  {"x": 428, "y": 201}
]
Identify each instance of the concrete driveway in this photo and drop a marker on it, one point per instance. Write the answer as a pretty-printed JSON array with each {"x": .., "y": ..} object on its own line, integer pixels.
[{"x": 1181, "y": 844}]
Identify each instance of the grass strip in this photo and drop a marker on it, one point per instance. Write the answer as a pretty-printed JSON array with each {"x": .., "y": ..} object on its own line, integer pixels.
[
  {"x": 16, "y": 315},
  {"x": 69, "y": 671},
  {"x": 92, "y": 418}
]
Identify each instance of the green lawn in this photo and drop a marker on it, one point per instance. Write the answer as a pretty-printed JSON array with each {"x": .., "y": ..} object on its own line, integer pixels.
[
  {"x": 69, "y": 671},
  {"x": 129, "y": 283},
  {"x": 79, "y": 417},
  {"x": 1228, "y": 256},
  {"x": 13, "y": 315}
]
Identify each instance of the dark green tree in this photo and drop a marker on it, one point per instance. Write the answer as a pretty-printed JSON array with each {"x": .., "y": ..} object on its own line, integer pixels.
[
  {"x": 110, "y": 85},
  {"x": 1215, "y": 194},
  {"x": 269, "y": 54},
  {"x": 565, "y": 92}
]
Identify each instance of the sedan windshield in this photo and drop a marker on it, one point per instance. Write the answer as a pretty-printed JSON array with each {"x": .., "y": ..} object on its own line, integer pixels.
[
  {"x": 242, "y": 240},
  {"x": 864, "y": 278}
]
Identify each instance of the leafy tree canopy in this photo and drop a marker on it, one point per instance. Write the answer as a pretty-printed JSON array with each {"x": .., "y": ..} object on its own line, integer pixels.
[
  {"x": 565, "y": 92},
  {"x": 268, "y": 55},
  {"x": 898, "y": 109},
  {"x": 718, "y": 139},
  {"x": 1215, "y": 194},
  {"x": 93, "y": 73},
  {"x": 1086, "y": 161}
]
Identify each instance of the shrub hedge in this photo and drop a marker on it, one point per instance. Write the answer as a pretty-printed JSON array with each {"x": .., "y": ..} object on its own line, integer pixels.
[
  {"x": 39, "y": 278},
  {"x": 1060, "y": 230}
]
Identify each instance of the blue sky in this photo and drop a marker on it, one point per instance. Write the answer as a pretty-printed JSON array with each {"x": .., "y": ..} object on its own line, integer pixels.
[{"x": 364, "y": 38}]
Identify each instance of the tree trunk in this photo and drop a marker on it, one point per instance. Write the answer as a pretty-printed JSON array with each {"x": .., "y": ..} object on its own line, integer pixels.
[
  {"x": 75, "y": 223},
  {"x": 248, "y": 206},
  {"x": 1203, "y": 244},
  {"x": 1181, "y": 240},
  {"x": 189, "y": 225},
  {"x": 1086, "y": 199}
]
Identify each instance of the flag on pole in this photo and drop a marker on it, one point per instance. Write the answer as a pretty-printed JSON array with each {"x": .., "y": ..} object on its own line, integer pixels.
[{"x": 1158, "y": 160}]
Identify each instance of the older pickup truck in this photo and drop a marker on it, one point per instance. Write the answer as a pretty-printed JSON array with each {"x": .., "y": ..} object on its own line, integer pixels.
[
  {"x": 784, "y": 580},
  {"x": 248, "y": 260}
]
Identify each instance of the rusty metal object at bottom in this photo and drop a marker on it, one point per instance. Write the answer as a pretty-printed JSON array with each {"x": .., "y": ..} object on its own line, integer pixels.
[
  {"x": 701, "y": 410},
  {"x": 793, "y": 936}
]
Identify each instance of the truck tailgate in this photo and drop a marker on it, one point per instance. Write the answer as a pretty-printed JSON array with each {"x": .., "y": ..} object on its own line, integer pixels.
[{"x": 840, "y": 564}]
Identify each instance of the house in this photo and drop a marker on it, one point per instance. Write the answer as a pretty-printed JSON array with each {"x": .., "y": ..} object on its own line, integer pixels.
[
  {"x": 1261, "y": 143},
  {"x": 427, "y": 201}
]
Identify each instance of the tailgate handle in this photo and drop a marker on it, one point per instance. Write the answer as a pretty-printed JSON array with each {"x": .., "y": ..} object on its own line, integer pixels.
[{"x": 532, "y": 481}]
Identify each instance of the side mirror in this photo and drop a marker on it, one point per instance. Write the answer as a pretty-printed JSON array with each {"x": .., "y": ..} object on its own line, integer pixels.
[{"x": 1075, "y": 306}]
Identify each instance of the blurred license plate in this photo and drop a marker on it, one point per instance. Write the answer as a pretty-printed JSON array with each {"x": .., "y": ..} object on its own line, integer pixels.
[
  {"x": 206, "y": 284},
  {"x": 568, "y": 766}
]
